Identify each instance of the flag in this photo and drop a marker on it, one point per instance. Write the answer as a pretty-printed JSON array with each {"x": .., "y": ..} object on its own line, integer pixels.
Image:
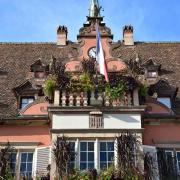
[{"x": 100, "y": 55}]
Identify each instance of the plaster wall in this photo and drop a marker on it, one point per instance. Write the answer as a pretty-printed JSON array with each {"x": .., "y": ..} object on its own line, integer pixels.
[
  {"x": 26, "y": 134},
  {"x": 111, "y": 121},
  {"x": 168, "y": 133}
]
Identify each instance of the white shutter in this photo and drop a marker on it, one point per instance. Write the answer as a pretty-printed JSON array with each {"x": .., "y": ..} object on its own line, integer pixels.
[
  {"x": 43, "y": 158},
  {"x": 153, "y": 152}
]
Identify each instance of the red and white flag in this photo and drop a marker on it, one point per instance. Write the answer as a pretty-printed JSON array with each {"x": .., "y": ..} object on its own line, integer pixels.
[{"x": 100, "y": 55}]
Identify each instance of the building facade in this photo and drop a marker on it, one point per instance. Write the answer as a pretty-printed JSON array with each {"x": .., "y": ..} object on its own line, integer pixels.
[{"x": 92, "y": 121}]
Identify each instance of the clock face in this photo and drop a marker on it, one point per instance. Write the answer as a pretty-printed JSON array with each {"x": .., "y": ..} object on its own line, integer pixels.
[{"x": 92, "y": 52}]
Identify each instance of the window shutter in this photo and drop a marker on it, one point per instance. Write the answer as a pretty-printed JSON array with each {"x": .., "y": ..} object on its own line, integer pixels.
[
  {"x": 153, "y": 153},
  {"x": 42, "y": 160}
]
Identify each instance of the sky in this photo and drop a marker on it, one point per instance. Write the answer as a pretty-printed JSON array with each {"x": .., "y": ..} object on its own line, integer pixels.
[{"x": 37, "y": 20}]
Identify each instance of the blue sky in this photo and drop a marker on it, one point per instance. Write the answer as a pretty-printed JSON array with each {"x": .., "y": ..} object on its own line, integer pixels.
[{"x": 37, "y": 20}]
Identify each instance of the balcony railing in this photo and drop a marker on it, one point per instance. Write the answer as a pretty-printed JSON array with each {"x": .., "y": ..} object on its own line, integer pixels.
[{"x": 82, "y": 99}]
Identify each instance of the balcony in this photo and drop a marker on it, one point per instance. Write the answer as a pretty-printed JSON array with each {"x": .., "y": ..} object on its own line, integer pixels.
[{"x": 83, "y": 99}]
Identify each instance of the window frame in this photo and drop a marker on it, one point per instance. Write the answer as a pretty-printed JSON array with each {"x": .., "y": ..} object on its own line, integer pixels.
[
  {"x": 19, "y": 163},
  {"x": 178, "y": 161},
  {"x": 27, "y": 98},
  {"x": 87, "y": 151},
  {"x": 99, "y": 152}
]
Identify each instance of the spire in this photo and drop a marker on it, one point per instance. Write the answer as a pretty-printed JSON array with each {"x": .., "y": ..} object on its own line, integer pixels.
[{"x": 95, "y": 9}]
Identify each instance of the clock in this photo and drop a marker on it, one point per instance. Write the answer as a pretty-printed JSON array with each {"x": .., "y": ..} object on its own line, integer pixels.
[{"x": 92, "y": 52}]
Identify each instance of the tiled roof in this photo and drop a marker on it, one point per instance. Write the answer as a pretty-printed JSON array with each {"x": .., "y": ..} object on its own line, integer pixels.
[{"x": 16, "y": 60}]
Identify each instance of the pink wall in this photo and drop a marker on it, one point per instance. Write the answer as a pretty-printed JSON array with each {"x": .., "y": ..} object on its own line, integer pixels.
[
  {"x": 26, "y": 134},
  {"x": 161, "y": 133}
]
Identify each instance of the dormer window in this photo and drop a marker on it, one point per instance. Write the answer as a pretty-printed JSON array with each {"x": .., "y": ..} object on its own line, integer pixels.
[
  {"x": 165, "y": 100},
  {"x": 40, "y": 70},
  {"x": 25, "y": 101}
]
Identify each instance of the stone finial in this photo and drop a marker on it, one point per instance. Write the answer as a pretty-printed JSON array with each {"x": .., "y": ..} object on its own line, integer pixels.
[
  {"x": 62, "y": 35},
  {"x": 128, "y": 35}
]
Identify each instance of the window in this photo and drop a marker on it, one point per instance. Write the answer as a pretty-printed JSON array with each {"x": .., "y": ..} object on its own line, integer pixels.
[
  {"x": 12, "y": 163},
  {"x": 26, "y": 164},
  {"x": 178, "y": 159},
  {"x": 86, "y": 155},
  {"x": 106, "y": 154},
  {"x": 73, "y": 157},
  {"x": 165, "y": 100},
  {"x": 39, "y": 75},
  {"x": 25, "y": 101},
  {"x": 152, "y": 74}
]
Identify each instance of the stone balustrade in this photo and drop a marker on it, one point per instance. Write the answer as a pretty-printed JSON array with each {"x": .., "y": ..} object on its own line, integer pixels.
[{"x": 83, "y": 99}]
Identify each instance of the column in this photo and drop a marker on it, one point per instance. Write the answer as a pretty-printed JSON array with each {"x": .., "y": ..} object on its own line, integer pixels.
[
  {"x": 115, "y": 153},
  {"x": 77, "y": 153},
  {"x": 96, "y": 154}
]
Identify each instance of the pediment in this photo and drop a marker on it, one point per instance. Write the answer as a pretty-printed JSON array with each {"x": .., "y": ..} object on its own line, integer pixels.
[{"x": 26, "y": 88}]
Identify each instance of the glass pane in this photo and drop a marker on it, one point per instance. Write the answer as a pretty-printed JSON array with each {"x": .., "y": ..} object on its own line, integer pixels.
[
  {"x": 82, "y": 166},
  {"x": 110, "y": 164},
  {"x": 90, "y": 165},
  {"x": 103, "y": 166},
  {"x": 110, "y": 146},
  {"x": 90, "y": 156},
  {"x": 178, "y": 156},
  {"x": 23, "y": 167},
  {"x": 29, "y": 167},
  {"x": 72, "y": 144},
  {"x": 83, "y": 146},
  {"x": 102, "y": 146},
  {"x": 179, "y": 165},
  {"x": 12, "y": 166},
  {"x": 13, "y": 157},
  {"x": 83, "y": 156},
  {"x": 30, "y": 157},
  {"x": 110, "y": 156},
  {"x": 30, "y": 101},
  {"x": 24, "y": 100},
  {"x": 90, "y": 146},
  {"x": 103, "y": 156},
  {"x": 23, "y": 157}
]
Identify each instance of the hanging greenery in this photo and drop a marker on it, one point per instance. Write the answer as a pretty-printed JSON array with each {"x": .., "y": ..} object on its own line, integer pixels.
[
  {"x": 115, "y": 92},
  {"x": 49, "y": 87},
  {"x": 86, "y": 82}
]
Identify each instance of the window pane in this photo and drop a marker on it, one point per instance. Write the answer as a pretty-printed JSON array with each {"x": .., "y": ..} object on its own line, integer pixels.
[
  {"x": 91, "y": 156},
  {"x": 103, "y": 166},
  {"x": 30, "y": 157},
  {"x": 24, "y": 100},
  {"x": 83, "y": 156},
  {"x": 102, "y": 146},
  {"x": 165, "y": 101},
  {"x": 110, "y": 146},
  {"x": 30, "y": 101},
  {"x": 110, "y": 156},
  {"x": 13, "y": 157},
  {"x": 179, "y": 165},
  {"x": 90, "y": 165},
  {"x": 83, "y": 146},
  {"x": 29, "y": 167},
  {"x": 82, "y": 166},
  {"x": 178, "y": 156},
  {"x": 23, "y": 157},
  {"x": 103, "y": 156},
  {"x": 23, "y": 167},
  {"x": 90, "y": 146}
]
